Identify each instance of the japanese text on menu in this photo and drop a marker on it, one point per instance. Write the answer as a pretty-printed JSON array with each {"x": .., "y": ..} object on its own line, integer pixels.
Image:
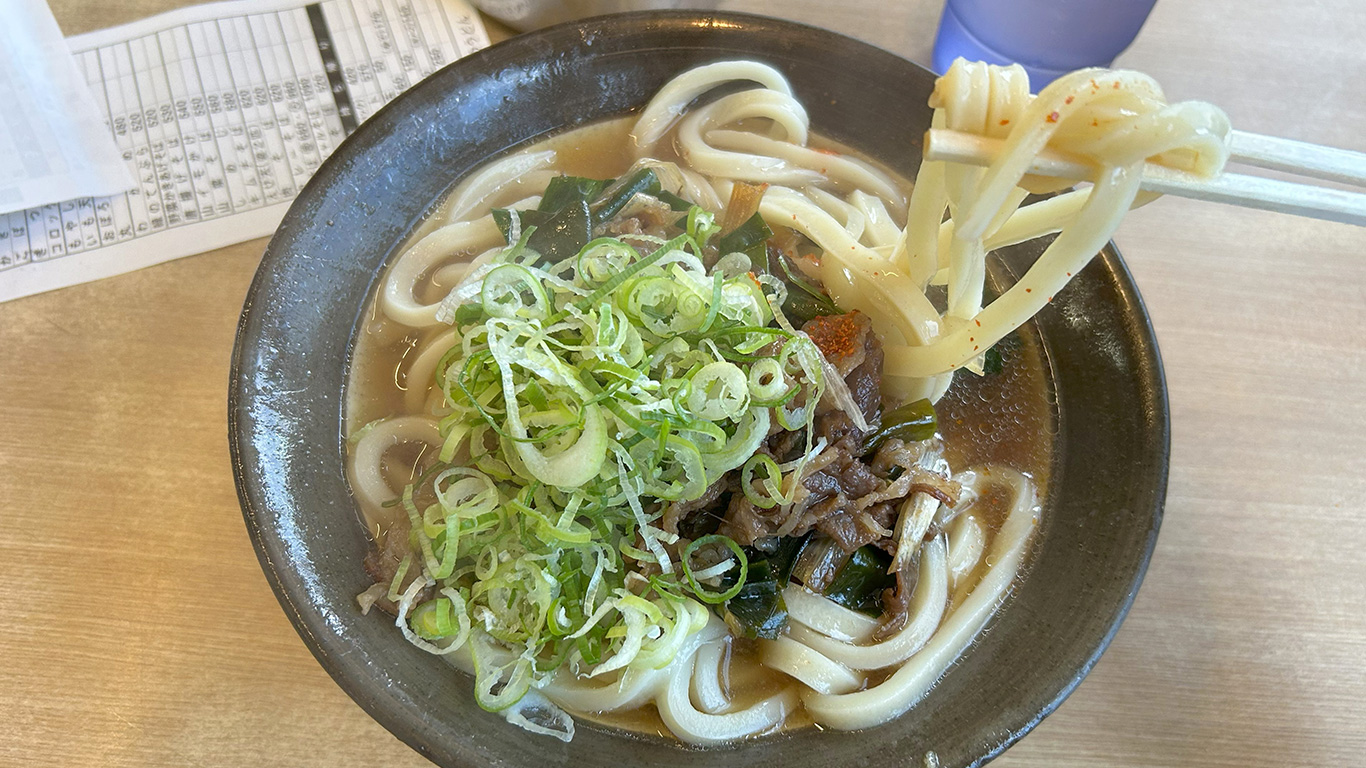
[{"x": 233, "y": 114}]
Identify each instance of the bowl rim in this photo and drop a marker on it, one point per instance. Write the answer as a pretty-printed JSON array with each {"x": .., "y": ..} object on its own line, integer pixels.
[{"x": 305, "y": 617}]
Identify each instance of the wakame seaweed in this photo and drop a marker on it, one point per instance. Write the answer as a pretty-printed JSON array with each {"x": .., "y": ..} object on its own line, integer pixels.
[
  {"x": 673, "y": 201},
  {"x": 759, "y": 610},
  {"x": 807, "y": 294},
  {"x": 565, "y": 233},
  {"x": 747, "y": 239},
  {"x": 996, "y": 357},
  {"x": 566, "y": 190},
  {"x": 860, "y": 582},
  {"x": 571, "y": 207},
  {"x": 618, "y": 194},
  {"x": 910, "y": 423}
]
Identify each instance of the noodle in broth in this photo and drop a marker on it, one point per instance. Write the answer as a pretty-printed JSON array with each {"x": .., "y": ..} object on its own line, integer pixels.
[{"x": 957, "y": 544}]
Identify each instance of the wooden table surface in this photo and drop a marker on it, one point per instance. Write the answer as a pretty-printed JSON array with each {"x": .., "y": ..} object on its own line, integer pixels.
[{"x": 140, "y": 631}]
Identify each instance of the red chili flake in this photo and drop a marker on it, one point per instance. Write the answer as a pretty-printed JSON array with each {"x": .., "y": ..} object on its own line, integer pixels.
[
  {"x": 979, "y": 323},
  {"x": 1029, "y": 290},
  {"x": 1005, "y": 122},
  {"x": 1069, "y": 100},
  {"x": 974, "y": 347},
  {"x": 1050, "y": 298},
  {"x": 1053, "y": 117},
  {"x": 835, "y": 335},
  {"x": 1069, "y": 274},
  {"x": 1095, "y": 123},
  {"x": 1116, "y": 86},
  {"x": 971, "y": 339}
]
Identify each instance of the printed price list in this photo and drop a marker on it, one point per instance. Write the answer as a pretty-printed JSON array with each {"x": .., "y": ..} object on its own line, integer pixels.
[{"x": 227, "y": 115}]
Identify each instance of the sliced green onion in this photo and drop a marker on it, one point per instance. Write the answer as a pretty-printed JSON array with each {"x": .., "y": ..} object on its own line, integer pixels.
[
  {"x": 719, "y": 391},
  {"x": 675, "y": 472},
  {"x": 769, "y": 493},
  {"x": 766, "y": 380},
  {"x": 706, "y": 595},
  {"x": 701, "y": 226},
  {"x": 514, "y": 676},
  {"x": 603, "y": 258},
  {"x": 580, "y": 397},
  {"x": 396, "y": 584},
  {"x": 630, "y": 272},
  {"x": 511, "y": 290},
  {"x": 749, "y": 434},
  {"x": 434, "y": 619}
]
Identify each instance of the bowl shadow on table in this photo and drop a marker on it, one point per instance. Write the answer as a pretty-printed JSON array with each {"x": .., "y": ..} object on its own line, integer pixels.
[{"x": 297, "y": 328}]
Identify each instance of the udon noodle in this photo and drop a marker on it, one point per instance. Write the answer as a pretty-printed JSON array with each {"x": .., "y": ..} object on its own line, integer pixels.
[{"x": 650, "y": 617}]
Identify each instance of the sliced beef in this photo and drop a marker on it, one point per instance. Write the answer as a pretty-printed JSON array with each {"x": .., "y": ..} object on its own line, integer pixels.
[
  {"x": 852, "y": 528},
  {"x": 643, "y": 215},
  {"x": 843, "y": 339},
  {"x": 865, "y": 381},
  {"x": 896, "y": 604},
  {"x": 382, "y": 563},
  {"x": 822, "y": 484},
  {"x": 838, "y": 430},
  {"x": 895, "y": 453},
  {"x": 843, "y": 528},
  {"x": 709, "y": 503},
  {"x": 746, "y": 523},
  {"x": 857, "y": 480},
  {"x": 786, "y": 446},
  {"x": 854, "y": 500},
  {"x": 848, "y": 342}
]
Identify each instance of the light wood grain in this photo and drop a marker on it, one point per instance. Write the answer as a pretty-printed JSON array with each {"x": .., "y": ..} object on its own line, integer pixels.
[{"x": 140, "y": 631}]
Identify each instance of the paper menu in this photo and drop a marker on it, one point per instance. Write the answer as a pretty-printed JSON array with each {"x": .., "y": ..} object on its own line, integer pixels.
[
  {"x": 223, "y": 111},
  {"x": 53, "y": 142}
]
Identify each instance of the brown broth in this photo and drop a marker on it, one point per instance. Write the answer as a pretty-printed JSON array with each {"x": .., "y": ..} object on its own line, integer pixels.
[{"x": 1006, "y": 418}]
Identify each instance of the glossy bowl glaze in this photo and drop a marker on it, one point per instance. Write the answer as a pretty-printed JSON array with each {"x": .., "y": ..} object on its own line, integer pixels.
[{"x": 297, "y": 330}]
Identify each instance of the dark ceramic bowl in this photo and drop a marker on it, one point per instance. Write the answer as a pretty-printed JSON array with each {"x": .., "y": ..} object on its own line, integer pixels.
[{"x": 294, "y": 349}]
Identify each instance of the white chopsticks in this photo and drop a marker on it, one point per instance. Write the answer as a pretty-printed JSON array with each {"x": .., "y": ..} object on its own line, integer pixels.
[{"x": 1310, "y": 160}]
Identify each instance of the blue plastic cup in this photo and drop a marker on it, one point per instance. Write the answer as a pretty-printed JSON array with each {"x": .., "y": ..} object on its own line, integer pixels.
[{"x": 1049, "y": 38}]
